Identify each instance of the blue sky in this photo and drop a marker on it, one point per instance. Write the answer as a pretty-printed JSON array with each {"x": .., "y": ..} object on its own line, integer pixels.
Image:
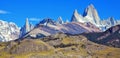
[{"x": 18, "y": 10}]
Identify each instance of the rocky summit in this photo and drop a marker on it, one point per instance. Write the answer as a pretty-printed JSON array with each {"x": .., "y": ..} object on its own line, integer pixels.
[
  {"x": 60, "y": 20},
  {"x": 91, "y": 15},
  {"x": 26, "y": 28}
]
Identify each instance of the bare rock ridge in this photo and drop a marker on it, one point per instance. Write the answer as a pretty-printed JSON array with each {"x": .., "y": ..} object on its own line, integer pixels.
[
  {"x": 110, "y": 37},
  {"x": 49, "y": 27}
]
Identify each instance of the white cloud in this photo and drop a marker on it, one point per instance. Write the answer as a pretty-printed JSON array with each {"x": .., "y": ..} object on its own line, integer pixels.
[{"x": 3, "y": 12}]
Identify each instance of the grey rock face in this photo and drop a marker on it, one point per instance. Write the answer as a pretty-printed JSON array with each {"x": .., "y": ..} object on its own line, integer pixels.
[
  {"x": 27, "y": 25},
  {"x": 91, "y": 12},
  {"x": 60, "y": 21},
  {"x": 77, "y": 17},
  {"x": 26, "y": 28}
]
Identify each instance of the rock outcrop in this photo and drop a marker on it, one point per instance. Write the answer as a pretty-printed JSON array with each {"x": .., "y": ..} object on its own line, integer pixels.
[
  {"x": 60, "y": 20},
  {"x": 26, "y": 28},
  {"x": 91, "y": 15},
  {"x": 76, "y": 17}
]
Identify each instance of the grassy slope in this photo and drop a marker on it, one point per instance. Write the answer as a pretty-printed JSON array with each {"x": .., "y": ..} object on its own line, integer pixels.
[{"x": 72, "y": 47}]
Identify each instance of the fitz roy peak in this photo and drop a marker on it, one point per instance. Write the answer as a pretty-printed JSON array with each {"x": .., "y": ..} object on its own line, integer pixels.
[{"x": 91, "y": 15}]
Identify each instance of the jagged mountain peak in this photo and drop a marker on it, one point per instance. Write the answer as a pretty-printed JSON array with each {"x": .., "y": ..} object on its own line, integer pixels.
[
  {"x": 91, "y": 6},
  {"x": 27, "y": 25},
  {"x": 92, "y": 14},
  {"x": 112, "y": 20},
  {"x": 47, "y": 21},
  {"x": 75, "y": 11},
  {"x": 26, "y": 28},
  {"x": 60, "y": 20},
  {"x": 89, "y": 11},
  {"x": 76, "y": 17}
]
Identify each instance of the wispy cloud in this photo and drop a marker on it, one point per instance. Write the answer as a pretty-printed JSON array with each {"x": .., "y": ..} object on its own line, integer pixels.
[
  {"x": 3, "y": 12},
  {"x": 35, "y": 19}
]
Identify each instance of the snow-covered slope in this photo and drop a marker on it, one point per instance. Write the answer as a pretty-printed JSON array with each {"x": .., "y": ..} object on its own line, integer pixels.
[{"x": 8, "y": 31}]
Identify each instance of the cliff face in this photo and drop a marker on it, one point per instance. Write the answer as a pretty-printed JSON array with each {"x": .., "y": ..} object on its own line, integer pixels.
[{"x": 91, "y": 12}]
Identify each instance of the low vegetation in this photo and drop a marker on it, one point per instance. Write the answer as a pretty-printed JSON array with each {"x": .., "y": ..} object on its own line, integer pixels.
[{"x": 57, "y": 46}]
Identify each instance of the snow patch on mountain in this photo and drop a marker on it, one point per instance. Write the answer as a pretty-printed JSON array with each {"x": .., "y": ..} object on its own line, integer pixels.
[{"x": 8, "y": 31}]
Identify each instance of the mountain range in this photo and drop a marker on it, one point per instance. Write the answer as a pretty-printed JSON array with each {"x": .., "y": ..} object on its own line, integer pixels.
[
  {"x": 85, "y": 36},
  {"x": 88, "y": 22}
]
